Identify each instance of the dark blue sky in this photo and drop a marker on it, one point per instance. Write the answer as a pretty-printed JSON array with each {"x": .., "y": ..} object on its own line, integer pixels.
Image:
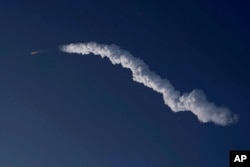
[{"x": 61, "y": 110}]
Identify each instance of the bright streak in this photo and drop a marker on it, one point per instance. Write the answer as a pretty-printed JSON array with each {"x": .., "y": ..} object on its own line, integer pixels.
[{"x": 34, "y": 52}]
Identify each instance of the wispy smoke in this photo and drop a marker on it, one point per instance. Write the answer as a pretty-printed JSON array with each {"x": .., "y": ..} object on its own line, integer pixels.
[{"x": 195, "y": 101}]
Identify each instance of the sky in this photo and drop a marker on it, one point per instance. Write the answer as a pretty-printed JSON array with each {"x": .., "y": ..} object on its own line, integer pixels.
[{"x": 59, "y": 109}]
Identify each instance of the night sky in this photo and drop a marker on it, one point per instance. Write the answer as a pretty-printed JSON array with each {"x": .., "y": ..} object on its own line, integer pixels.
[{"x": 68, "y": 110}]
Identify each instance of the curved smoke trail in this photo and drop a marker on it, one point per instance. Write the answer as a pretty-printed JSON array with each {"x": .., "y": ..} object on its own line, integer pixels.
[{"x": 195, "y": 101}]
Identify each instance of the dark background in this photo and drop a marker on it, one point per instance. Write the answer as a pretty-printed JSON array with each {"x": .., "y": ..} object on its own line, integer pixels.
[{"x": 61, "y": 110}]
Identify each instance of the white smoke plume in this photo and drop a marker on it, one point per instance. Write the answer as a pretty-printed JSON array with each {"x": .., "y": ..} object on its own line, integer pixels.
[{"x": 196, "y": 101}]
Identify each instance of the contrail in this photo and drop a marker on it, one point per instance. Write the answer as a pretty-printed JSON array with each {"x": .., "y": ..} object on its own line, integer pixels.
[{"x": 195, "y": 101}]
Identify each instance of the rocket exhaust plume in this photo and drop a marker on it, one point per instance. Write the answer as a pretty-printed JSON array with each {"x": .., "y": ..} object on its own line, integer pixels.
[
  {"x": 195, "y": 101},
  {"x": 34, "y": 52},
  {"x": 38, "y": 52}
]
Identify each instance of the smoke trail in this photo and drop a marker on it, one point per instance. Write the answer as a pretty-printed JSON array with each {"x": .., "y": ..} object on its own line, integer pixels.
[{"x": 195, "y": 101}]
